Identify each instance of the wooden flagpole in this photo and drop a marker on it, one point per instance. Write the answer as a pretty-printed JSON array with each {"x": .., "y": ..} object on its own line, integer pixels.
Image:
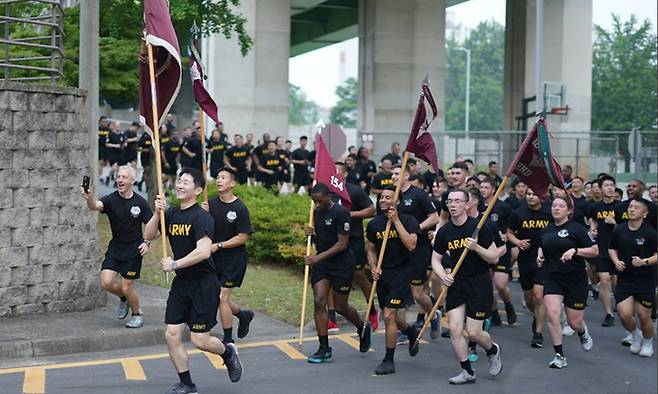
[
  {"x": 382, "y": 250},
  {"x": 444, "y": 289},
  {"x": 202, "y": 137},
  {"x": 156, "y": 144},
  {"x": 306, "y": 275}
]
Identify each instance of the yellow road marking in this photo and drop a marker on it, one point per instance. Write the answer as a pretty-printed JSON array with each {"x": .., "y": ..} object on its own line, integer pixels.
[
  {"x": 347, "y": 338},
  {"x": 35, "y": 380},
  {"x": 133, "y": 369},
  {"x": 289, "y": 350},
  {"x": 215, "y": 360}
]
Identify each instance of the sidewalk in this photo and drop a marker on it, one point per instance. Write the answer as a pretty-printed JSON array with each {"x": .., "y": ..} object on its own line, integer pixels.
[{"x": 100, "y": 330}]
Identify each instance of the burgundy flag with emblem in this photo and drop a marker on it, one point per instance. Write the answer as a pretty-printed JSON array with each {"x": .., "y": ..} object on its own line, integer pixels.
[
  {"x": 201, "y": 95},
  {"x": 327, "y": 173},
  {"x": 534, "y": 164},
  {"x": 420, "y": 141},
  {"x": 160, "y": 33}
]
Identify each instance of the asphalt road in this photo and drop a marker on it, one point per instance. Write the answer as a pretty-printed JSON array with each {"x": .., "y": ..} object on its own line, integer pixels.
[{"x": 280, "y": 367}]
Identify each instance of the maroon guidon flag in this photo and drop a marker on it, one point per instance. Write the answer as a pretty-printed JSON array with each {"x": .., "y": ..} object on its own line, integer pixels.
[
  {"x": 160, "y": 33},
  {"x": 534, "y": 164},
  {"x": 201, "y": 95},
  {"x": 327, "y": 173},
  {"x": 420, "y": 141}
]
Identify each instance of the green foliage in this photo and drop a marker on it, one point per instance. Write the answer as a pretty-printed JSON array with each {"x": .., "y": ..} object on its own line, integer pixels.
[
  {"x": 487, "y": 45},
  {"x": 277, "y": 220},
  {"x": 301, "y": 111},
  {"x": 344, "y": 112}
]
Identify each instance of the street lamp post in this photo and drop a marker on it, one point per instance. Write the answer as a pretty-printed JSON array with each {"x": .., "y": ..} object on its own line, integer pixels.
[{"x": 468, "y": 88}]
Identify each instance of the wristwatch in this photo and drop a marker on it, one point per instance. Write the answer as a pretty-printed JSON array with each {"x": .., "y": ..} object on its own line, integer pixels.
[
  {"x": 220, "y": 245},
  {"x": 646, "y": 261},
  {"x": 174, "y": 265},
  {"x": 148, "y": 243}
]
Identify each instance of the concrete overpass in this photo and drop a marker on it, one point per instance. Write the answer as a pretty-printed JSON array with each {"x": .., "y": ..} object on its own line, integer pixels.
[{"x": 399, "y": 42}]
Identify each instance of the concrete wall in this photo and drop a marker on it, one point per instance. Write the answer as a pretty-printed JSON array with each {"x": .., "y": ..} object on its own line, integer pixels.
[{"x": 49, "y": 255}]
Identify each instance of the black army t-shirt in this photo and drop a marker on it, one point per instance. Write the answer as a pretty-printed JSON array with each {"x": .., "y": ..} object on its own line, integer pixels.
[
  {"x": 598, "y": 212},
  {"x": 555, "y": 240},
  {"x": 237, "y": 156},
  {"x": 640, "y": 243},
  {"x": 397, "y": 256},
  {"x": 230, "y": 219},
  {"x": 360, "y": 200},
  {"x": 328, "y": 224},
  {"x": 126, "y": 218},
  {"x": 621, "y": 212},
  {"x": 500, "y": 214},
  {"x": 528, "y": 224},
  {"x": 452, "y": 239},
  {"x": 184, "y": 228},
  {"x": 417, "y": 203},
  {"x": 381, "y": 180}
]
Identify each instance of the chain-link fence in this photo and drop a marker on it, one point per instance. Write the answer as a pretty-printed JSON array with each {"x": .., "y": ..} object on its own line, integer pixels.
[{"x": 627, "y": 154}]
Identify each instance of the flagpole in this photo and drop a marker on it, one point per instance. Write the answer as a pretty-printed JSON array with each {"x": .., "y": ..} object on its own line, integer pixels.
[
  {"x": 382, "y": 249},
  {"x": 202, "y": 137},
  {"x": 156, "y": 144},
  {"x": 306, "y": 275},
  {"x": 485, "y": 215}
]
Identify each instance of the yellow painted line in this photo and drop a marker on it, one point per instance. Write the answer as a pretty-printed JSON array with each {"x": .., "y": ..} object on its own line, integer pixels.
[
  {"x": 34, "y": 381},
  {"x": 215, "y": 360},
  {"x": 289, "y": 350},
  {"x": 133, "y": 369}
]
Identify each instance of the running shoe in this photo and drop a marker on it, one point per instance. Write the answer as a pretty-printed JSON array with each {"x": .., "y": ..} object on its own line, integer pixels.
[
  {"x": 122, "y": 311},
  {"x": 495, "y": 362},
  {"x": 402, "y": 339},
  {"x": 608, "y": 320},
  {"x": 567, "y": 331},
  {"x": 495, "y": 318},
  {"x": 136, "y": 321},
  {"x": 373, "y": 318},
  {"x": 595, "y": 293},
  {"x": 586, "y": 341},
  {"x": 385, "y": 368},
  {"x": 445, "y": 334},
  {"x": 627, "y": 340},
  {"x": 182, "y": 388},
  {"x": 636, "y": 342},
  {"x": 233, "y": 364},
  {"x": 364, "y": 340},
  {"x": 413, "y": 346},
  {"x": 511, "y": 313},
  {"x": 537, "y": 340},
  {"x": 322, "y": 355},
  {"x": 473, "y": 354},
  {"x": 420, "y": 320},
  {"x": 462, "y": 378},
  {"x": 559, "y": 362},
  {"x": 435, "y": 328},
  {"x": 647, "y": 348},
  {"x": 332, "y": 327},
  {"x": 245, "y": 320}
]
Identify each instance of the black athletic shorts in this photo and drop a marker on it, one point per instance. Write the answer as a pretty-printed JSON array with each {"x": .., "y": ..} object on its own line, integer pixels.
[
  {"x": 193, "y": 302},
  {"x": 504, "y": 263},
  {"x": 283, "y": 176},
  {"x": 605, "y": 264},
  {"x": 529, "y": 273},
  {"x": 301, "y": 179},
  {"x": 338, "y": 273},
  {"x": 573, "y": 286},
  {"x": 214, "y": 168},
  {"x": 393, "y": 289},
  {"x": 644, "y": 295},
  {"x": 102, "y": 153},
  {"x": 474, "y": 291},
  {"x": 114, "y": 157},
  {"x": 420, "y": 258},
  {"x": 230, "y": 267},
  {"x": 358, "y": 248},
  {"x": 128, "y": 268},
  {"x": 171, "y": 170},
  {"x": 241, "y": 176}
]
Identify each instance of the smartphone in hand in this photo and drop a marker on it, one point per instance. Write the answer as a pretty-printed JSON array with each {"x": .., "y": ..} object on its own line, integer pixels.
[{"x": 86, "y": 182}]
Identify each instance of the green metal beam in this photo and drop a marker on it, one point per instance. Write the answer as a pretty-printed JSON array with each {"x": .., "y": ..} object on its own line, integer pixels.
[{"x": 326, "y": 23}]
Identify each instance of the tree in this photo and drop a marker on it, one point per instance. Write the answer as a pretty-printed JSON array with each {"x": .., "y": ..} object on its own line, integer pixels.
[
  {"x": 624, "y": 79},
  {"x": 487, "y": 45},
  {"x": 301, "y": 111},
  {"x": 344, "y": 112},
  {"x": 121, "y": 23}
]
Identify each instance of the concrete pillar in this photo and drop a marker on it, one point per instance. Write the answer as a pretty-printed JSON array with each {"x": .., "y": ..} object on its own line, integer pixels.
[
  {"x": 88, "y": 75},
  {"x": 252, "y": 91},
  {"x": 399, "y": 43}
]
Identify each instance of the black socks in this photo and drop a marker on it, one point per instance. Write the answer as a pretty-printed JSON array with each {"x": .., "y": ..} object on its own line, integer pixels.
[
  {"x": 185, "y": 378},
  {"x": 228, "y": 352},
  {"x": 558, "y": 350},
  {"x": 332, "y": 315},
  {"x": 492, "y": 351},
  {"x": 466, "y": 365},
  {"x": 324, "y": 340},
  {"x": 123, "y": 298},
  {"x": 228, "y": 335},
  {"x": 389, "y": 354}
]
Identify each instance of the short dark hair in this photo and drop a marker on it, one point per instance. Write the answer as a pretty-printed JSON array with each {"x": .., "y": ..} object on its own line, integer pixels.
[
  {"x": 577, "y": 177},
  {"x": 303, "y": 138},
  {"x": 270, "y": 142},
  {"x": 482, "y": 173},
  {"x": 353, "y": 156},
  {"x": 605, "y": 177},
  {"x": 136, "y": 124},
  {"x": 640, "y": 182},
  {"x": 238, "y": 135},
  {"x": 459, "y": 165},
  {"x": 197, "y": 176},
  {"x": 411, "y": 160},
  {"x": 468, "y": 161},
  {"x": 390, "y": 188},
  {"x": 491, "y": 163},
  {"x": 652, "y": 187},
  {"x": 418, "y": 178},
  {"x": 644, "y": 202},
  {"x": 475, "y": 193},
  {"x": 320, "y": 188},
  {"x": 234, "y": 175},
  {"x": 474, "y": 179},
  {"x": 464, "y": 192},
  {"x": 489, "y": 181},
  {"x": 288, "y": 142},
  {"x": 618, "y": 190}
]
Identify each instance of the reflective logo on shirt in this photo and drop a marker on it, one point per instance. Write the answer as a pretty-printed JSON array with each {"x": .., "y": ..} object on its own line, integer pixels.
[
  {"x": 328, "y": 221},
  {"x": 563, "y": 233},
  {"x": 639, "y": 241},
  {"x": 135, "y": 211},
  {"x": 231, "y": 216}
]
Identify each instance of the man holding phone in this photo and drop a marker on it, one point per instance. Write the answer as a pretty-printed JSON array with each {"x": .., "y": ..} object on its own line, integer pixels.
[{"x": 127, "y": 212}]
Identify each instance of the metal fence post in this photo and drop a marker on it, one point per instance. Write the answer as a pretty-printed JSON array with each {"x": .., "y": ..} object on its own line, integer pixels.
[{"x": 577, "y": 155}]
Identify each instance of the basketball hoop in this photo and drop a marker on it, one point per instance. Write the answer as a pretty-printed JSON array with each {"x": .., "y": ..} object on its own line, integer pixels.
[{"x": 562, "y": 111}]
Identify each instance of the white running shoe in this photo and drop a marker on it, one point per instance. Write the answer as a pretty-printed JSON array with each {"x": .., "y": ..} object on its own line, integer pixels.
[
  {"x": 559, "y": 362},
  {"x": 567, "y": 331},
  {"x": 636, "y": 341},
  {"x": 647, "y": 348},
  {"x": 495, "y": 362},
  {"x": 586, "y": 341},
  {"x": 628, "y": 339},
  {"x": 463, "y": 377}
]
